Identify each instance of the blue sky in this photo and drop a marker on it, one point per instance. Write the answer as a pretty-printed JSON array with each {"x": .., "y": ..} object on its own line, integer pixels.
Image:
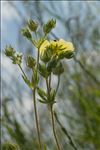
[{"x": 11, "y": 23}]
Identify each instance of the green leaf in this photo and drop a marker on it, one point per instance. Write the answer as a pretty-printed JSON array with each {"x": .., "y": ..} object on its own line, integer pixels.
[
  {"x": 42, "y": 101},
  {"x": 52, "y": 95},
  {"x": 52, "y": 64},
  {"x": 42, "y": 93},
  {"x": 27, "y": 82}
]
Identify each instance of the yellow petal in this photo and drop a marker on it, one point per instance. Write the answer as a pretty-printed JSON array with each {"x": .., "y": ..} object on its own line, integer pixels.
[
  {"x": 54, "y": 44},
  {"x": 44, "y": 45},
  {"x": 66, "y": 46}
]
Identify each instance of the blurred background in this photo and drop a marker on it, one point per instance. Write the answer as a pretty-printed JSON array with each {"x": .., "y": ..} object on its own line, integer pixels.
[{"x": 78, "y": 98}]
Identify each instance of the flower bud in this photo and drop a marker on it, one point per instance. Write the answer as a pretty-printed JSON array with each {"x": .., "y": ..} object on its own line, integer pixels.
[
  {"x": 32, "y": 25},
  {"x": 30, "y": 62},
  {"x": 9, "y": 51},
  {"x": 17, "y": 58},
  {"x": 58, "y": 69},
  {"x": 49, "y": 26},
  {"x": 52, "y": 64},
  {"x": 25, "y": 32}
]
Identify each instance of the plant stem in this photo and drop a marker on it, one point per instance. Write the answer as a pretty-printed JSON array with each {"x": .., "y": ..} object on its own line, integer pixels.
[
  {"x": 51, "y": 111},
  {"x": 36, "y": 119},
  {"x": 58, "y": 83},
  {"x": 53, "y": 127},
  {"x": 38, "y": 53},
  {"x": 66, "y": 132},
  {"x": 22, "y": 70},
  {"x": 35, "y": 107}
]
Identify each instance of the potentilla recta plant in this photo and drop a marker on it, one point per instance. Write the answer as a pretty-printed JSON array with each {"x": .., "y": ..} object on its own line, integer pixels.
[{"x": 48, "y": 62}]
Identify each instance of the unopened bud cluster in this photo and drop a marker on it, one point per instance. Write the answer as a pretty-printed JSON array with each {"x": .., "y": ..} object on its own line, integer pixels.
[
  {"x": 49, "y": 26},
  {"x": 13, "y": 55},
  {"x": 30, "y": 62},
  {"x": 32, "y": 25}
]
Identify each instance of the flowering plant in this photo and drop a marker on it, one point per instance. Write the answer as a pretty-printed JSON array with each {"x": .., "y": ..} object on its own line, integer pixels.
[{"x": 48, "y": 61}]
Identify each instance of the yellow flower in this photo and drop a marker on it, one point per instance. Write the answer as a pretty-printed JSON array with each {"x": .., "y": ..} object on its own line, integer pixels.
[{"x": 62, "y": 48}]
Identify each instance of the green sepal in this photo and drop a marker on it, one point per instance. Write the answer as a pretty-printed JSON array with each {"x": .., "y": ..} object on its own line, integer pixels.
[
  {"x": 58, "y": 70},
  {"x": 52, "y": 96},
  {"x": 49, "y": 26},
  {"x": 66, "y": 54},
  {"x": 30, "y": 62},
  {"x": 43, "y": 71},
  {"x": 35, "y": 78},
  {"x": 26, "y": 33},
  {"x": 32, "y": 25},
  {"x": 42, "y": 94},
  {"x": 41, "y": 40},
  {"x": 9, "y": 51},
  {"x": 42, "y": 101},
  {"x": 34, "y": 42},
  {"x": 52, "y": 64},
  {"x": 69, "y": 55}
]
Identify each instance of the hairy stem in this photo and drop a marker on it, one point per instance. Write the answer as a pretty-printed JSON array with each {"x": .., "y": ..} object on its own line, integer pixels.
[
  {"x": 48, "y": 84},
  {"x": 36, "y": 119},
  {"x": 22, "y": 70},
  {"x": 58, "y": 83},
  {"x": 53, "y": 127},
  {"x": 35, "y": 108}
]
